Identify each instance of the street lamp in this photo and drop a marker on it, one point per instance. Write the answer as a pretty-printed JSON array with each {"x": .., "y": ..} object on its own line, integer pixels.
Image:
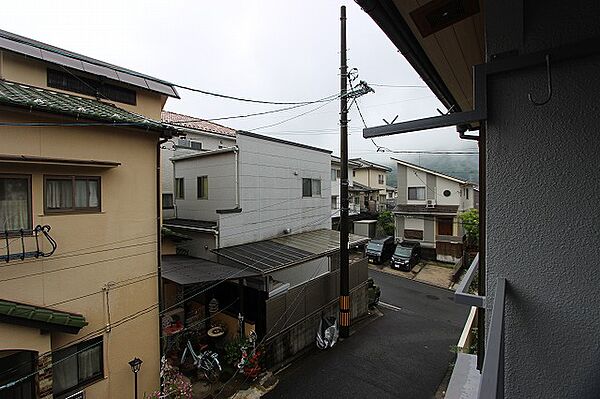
[{"x": 135, "y": 364}]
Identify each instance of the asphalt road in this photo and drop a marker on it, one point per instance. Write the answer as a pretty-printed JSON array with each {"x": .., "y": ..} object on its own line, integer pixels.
[{"x": 404, "y": 354}]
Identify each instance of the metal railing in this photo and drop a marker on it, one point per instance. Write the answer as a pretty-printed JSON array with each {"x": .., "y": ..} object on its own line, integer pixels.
[
  {"x": 462, "y": 295},
  {"x": 492, "y": 375},
  {"x": 23, "y": 235}
]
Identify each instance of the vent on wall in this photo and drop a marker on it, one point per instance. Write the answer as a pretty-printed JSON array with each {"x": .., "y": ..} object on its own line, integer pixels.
[{"x": 439, "y": 14}]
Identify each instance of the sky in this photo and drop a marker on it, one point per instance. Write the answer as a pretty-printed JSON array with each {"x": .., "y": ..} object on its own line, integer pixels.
[{"x": 268, "y": 50}]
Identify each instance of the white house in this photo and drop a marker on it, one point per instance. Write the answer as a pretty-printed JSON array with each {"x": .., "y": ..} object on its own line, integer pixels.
[
  {"x": 374, "y": 176},
  {"x": 196, "y": 135},
  {"x": 263, "y": 207},
  {"x": 336, "y": 167},
  {"x": 427, "y": 209}
]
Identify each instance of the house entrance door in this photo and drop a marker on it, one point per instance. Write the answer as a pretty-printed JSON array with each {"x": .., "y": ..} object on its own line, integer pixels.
[{"x": 444, "y": 226}]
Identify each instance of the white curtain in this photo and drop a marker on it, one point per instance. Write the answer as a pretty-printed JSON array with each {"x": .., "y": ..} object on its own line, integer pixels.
[
  {"x": 59, "y": 194},
  {"x": 93, "y": 192},
  {"x": 81, "y": 194},
  {"x": 64, "y": 369},
  {"x": 89, "y": 363},
  {"x": 14, "y": 204}
]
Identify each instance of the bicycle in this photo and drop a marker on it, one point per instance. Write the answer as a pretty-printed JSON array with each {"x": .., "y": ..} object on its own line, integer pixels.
[{"x": 207, "y": 361}]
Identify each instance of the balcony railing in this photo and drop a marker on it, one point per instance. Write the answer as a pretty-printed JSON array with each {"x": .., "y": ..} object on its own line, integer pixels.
[
  {"x": 29, "y": 243},
  {"x": 492, "y": 373}
]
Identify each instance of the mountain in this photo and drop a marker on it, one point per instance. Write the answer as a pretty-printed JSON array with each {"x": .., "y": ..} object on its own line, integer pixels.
[{"x": 465, "y": 167}]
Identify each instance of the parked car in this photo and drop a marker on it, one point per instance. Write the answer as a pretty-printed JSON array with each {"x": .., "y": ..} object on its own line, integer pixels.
[
  {"x": 374, "y": 292},
  {"x": 381, "y": 249},
  {"x": 406, "y": 255}
]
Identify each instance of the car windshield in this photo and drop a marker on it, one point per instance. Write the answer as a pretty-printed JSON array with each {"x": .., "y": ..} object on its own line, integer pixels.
[
  {"x": 374, "y": 246},
  {"x": 403, "y": 252}
]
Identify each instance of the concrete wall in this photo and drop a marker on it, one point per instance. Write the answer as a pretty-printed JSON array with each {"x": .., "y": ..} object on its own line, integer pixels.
[
  {"x": 113, "y": 245},
  {"x": 220, "y": 169},
  {"x": 271, "y": 192},
  {"x": 542, "y": 201}
]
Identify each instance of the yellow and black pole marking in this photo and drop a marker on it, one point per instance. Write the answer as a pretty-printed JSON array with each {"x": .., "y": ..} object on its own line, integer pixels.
[{"x": 344, "y": 313}]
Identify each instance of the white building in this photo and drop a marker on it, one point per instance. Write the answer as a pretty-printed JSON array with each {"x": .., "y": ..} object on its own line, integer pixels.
[
  {"x": 336, "y": 167},
  {"x": 427, "y": 209},
  {"x": 197, "y": 135},
  {"x": 258, "y": 189}
]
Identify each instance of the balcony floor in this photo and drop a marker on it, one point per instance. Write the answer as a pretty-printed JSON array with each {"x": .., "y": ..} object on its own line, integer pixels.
[{"x": 464, "y": 382}]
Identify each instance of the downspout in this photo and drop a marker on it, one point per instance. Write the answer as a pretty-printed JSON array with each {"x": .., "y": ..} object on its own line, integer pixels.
[
  {"x": 159, "y": 243},
  {"x": 237, "y": 208}
]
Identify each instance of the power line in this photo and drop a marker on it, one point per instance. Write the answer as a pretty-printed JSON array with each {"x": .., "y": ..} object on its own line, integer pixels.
[
  {"x": 293, "y": 117},
  {"x": 400, "y": 86}
]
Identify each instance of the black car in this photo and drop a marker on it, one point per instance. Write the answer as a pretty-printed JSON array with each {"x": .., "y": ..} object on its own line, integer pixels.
[
  {"x": 381, "y": 249},
  {"x": 406, "y": 255}
]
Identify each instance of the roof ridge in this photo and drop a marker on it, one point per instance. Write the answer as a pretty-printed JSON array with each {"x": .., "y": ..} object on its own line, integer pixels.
[{"x": 197, "y": 118}]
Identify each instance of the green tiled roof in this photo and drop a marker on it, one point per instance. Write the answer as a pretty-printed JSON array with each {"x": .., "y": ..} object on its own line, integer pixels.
[
  {"x": 40, "y": 316},
  {"x": 44, "y": 100}
]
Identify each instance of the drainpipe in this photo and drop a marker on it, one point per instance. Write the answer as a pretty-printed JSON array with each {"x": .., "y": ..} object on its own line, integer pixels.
[
  {"x": 237, "y": 208},
  {"x": 159, "y": 241}
]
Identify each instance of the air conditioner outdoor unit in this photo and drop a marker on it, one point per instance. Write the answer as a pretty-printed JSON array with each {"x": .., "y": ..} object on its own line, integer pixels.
[{"x": 430, "y": 204}]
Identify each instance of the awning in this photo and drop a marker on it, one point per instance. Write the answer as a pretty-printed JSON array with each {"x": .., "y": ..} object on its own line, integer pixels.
[
  {"x": 186, "y": 270},
  {"x": 40, "y": 317},
  {"x": 270, "y": 255}
]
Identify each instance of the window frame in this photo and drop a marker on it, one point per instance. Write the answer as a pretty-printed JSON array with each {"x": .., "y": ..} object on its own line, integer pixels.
[
  {"x": 73, "y": 209},
  {"x": 334, "y": 202},
  {"x": 333, "y": 174},
  {"x": 199, "y": 185},
  {"x": 416, "y": 199},
  {"x": 179, "y": 194},
  {"x": 172, "y": 206},
  {"x": 79, "y": 347},
  {"x": 381, "y": 179},
  {"x": 29, "y": 203},
  {"x": 304, "y": 193}
]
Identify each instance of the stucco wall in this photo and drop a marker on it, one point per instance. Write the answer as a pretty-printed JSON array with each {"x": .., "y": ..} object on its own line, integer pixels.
[
  {"x": 18, "y": 68},
  {"x": 271, "y": 192},
  {"x": 542, "y": 203},
  {"x": 114, "y": 245}
]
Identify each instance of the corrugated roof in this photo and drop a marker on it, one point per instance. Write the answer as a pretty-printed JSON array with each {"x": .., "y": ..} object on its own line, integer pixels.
[
  {"x": 86, "y": 109},
  {"x": 191, "y": 122},
  {"x": 40, "y": 317},
  {"x": 356, "y": 186},
  {"x": 368, "y": 164},
  {"x": 196, "y": 224},
  {"x": 46, "y": 52},
  {"x": 277, "y": 253},
  {"x": 185, "y": 270}
]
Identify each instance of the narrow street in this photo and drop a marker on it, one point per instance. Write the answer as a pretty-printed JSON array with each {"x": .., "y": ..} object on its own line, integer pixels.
[{"x": 404, "y": 354}]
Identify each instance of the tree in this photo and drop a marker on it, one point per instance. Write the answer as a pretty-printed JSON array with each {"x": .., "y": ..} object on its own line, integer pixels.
[
  {"x": 385, "y": 223},
  {"x": 470, "y": 222}
]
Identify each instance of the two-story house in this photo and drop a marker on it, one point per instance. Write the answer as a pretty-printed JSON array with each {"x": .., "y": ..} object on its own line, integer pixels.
[
  {"x": 79, "y": 223},
  {"x": 353, "y": 200},
  {"x": 427, "y": 209},
  {"x": 194, "y": 135},
  {"x": 259, "y": 214},
  {"x": 374, "y": 176}
]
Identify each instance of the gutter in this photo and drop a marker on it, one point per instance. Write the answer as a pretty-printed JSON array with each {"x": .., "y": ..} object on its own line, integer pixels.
[{"x": 159, "y": 242}]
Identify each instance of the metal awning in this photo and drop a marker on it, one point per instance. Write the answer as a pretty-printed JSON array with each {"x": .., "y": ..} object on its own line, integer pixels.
[
  {"x": 37, "y": 160},
  {"x": 186, "y": 270},
  {"x": 270, "y": 255}
]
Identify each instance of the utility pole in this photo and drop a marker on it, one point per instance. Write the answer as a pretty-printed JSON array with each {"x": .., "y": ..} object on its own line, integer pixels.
[{"x": 344, "y": 262}]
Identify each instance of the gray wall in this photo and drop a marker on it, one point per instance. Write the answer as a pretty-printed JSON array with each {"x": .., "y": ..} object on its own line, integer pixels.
[
  {"x": 402, "y": 184},
  {"x": 271, "y": 192},
  {"x": 542, "y": 201},
  {"x": 220, "y": 169}
]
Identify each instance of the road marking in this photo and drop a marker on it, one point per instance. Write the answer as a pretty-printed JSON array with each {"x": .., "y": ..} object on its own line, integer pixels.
[{"x": 388, "y": 306}]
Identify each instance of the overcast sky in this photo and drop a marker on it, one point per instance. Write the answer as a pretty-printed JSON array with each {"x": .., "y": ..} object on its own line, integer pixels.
[{"x": 271, "y": 50}]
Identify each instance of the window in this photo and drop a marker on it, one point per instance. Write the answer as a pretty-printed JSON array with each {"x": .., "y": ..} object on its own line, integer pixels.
[
  {"x": 353, "y": 173},
  {"x": 77, "y": 365},
  {"x": 333, "y": 175},
  {"x": 202, "y": 187},
  {"x": 447, "y": 193},
  {"x": 467, "y": 192},
  {"x": 338, "y": 173},
  {"x": 189, "y": 144},
  {"x": 334, "y": 204},
  {"x": 179, "y": 188},
  {"x": 15, "y": 202},
  {"x": 311, "y": 187},
  {"x": 72, "y": 194},
  {"x": 90, "y": 87},
  {"x": 167, "y": 201},
  {"x": 416, "y": 193},
  {"x": 381, "y": 179}
]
